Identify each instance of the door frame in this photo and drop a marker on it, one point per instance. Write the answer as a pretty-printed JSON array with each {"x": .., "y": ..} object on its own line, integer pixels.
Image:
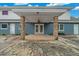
[
  {"x": 39, "y": 29},
  {"x": 76, "y": 31},
  {"x": 12, "y": 28}
]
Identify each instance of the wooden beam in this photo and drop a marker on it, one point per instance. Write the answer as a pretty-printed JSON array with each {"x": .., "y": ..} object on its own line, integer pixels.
[
  {"x": 55, "y": 33},
  {"x": 22, "y": 27}
]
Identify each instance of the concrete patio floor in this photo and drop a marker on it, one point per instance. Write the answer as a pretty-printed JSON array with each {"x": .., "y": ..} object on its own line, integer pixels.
[
  {"x": 39, "y": 37},
  {"x": 13, "y": 45}
]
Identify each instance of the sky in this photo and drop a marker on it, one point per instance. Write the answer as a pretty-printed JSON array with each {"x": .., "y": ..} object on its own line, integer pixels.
[{"x": 74, "y": 12}]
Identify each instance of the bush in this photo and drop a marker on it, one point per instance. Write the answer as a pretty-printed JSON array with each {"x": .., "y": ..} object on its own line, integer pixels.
[
  {"x": 50, "y": 34},
  {"x": 27, "y": 34},
  {"x": 3, "y": 34},
  {"x": 17, "y": 34},
  {"x": 20, "y": 34},
  {"x": 61, "y": 33}
]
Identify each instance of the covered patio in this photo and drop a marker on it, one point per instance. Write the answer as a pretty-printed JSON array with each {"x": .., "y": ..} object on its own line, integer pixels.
[{"x": 37, "y": 14}]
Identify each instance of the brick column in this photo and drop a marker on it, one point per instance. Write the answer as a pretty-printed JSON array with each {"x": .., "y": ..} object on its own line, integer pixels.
[
  {"x": 55, "y": 33},
  {"x": 22, "y": 27}
]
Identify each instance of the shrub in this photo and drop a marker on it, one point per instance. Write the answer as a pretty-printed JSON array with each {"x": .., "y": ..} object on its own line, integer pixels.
[
  {"x": 26, "y": 34},
  {"x": 50, "y": 34},
  {"x": 61, "y": 33},
  {"x": 3, "y": 34},
  {"x": 17, "y": 34}
]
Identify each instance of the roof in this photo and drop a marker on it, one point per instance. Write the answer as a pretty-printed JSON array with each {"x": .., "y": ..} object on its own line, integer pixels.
[
  {"x": 41, "y": 7},
  {"x": 72, "y": 20},
  {"x": 23, "y": 10},
  {"x": 46, "y": 20}
]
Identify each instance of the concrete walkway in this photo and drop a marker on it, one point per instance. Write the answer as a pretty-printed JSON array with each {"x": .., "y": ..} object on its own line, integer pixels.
[{"x": 6, "y": 41}]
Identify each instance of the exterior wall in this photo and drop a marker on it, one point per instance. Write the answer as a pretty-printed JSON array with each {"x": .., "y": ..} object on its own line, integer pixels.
[
  {"x": 5, "y": 31},
  {"x": 29, "y": 28},
  {"x": 68, "y": 29},
  {"x": 10, "y": 15},
  {"x": 65, "y": 16},
  {"x": 17, "y": 28},
  {"x": 48, "y": 28}
]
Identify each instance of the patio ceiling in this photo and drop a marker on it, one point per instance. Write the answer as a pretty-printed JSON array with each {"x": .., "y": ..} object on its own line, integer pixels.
[
  {"x": 47, "y": 11},
  {"x": 40, "y": 13},
  {"x": 33, "y": 12}
]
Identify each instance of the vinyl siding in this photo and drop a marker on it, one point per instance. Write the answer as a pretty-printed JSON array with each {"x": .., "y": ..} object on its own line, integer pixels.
[
  {"x": 64, "y": 16},
  {"x": 11, "y": 16},
  {"x": 29, "y": 28},
  {"x": 48, "y": 28},
  {"x": 4, "y": 31},
  {"x": 69, "y": 29},
  {"x": 17, "y": 28}
]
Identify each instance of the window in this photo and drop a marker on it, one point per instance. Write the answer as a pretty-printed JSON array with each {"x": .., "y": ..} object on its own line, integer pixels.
[
  {"x": 61, "y": 27},
  {"x": 41, "y": 28},
  {"x": 4, "y": 12},
  {"x": 36, "y": 28},
  {"x": 4, "y": 26}
]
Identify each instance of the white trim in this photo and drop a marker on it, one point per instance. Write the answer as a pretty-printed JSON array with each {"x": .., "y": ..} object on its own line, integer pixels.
[
  {"x": 60, "y": 29},
  {"x": 43, "y": 28},
  {"x": 35, "y": 28},
  {"x": 76, "y": 29},
  {"x": 12, "y": 28},
  {"x": 39, "y": 29},
  {"x": 4, "y": 28}
]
